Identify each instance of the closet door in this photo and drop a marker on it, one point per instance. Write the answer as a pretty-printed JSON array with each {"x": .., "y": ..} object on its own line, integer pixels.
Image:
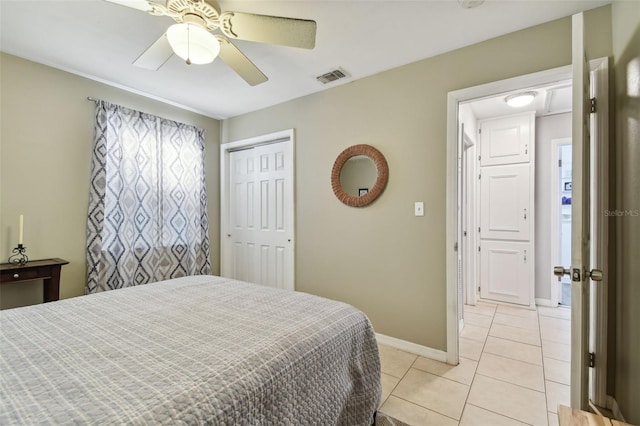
[
  {"x": 505, "y": 275},
  {"x": 505, "y": 211},
  {"x": 506, "y": 140},
  {"x": 506, "y": 208},
  {"x": 261, "y": 219}
]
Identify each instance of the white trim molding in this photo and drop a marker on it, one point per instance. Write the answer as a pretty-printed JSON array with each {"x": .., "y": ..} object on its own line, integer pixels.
[
  {"x": 545, "y": 302},
  {"x": 555, "y": 194},
  {"x": 413, "y": 348},
  {"x": 453, "y": 100}
]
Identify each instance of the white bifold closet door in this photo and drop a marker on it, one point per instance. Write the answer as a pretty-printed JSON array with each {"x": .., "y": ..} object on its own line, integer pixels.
[
  {"x": 506, "y": 209},
  {"x": 261, "y": 231}
]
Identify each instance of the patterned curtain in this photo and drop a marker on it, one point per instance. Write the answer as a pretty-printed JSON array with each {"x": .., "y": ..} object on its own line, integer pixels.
[{"x": 147, "y": 203}]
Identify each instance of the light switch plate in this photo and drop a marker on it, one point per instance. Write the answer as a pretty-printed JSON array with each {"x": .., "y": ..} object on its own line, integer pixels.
[{"x": 418, "y": 208}]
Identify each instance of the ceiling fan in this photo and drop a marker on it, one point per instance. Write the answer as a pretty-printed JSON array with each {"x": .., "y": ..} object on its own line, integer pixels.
[{"x": 191, "y": 38}]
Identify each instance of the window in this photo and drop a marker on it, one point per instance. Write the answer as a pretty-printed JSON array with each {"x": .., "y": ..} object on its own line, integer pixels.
[{"x": 147, "y": 206}]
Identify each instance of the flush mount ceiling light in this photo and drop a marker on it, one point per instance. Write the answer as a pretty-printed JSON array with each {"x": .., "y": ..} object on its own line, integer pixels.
[
  {"x": 520, "y": 99},
  {"x": 193, "y": 43}
]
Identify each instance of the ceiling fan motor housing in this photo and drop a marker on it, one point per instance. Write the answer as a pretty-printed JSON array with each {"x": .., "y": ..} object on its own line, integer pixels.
[{"x": 189, "y": 10}]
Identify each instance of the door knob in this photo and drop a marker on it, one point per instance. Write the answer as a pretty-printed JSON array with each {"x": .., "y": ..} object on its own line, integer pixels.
[
  {"x": 559, "y": 271},
  {"x": 594, "y": 274}
]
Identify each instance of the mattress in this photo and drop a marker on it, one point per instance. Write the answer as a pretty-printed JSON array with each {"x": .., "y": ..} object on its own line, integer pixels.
[{"x": 193, "y": 350}]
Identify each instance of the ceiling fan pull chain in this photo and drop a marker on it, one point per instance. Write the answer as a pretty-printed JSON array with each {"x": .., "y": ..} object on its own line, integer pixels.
[{"x": 188, "y": 44}]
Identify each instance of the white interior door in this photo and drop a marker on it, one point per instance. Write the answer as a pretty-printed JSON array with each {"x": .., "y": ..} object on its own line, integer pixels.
[
  {"x": 259, "y": 223},
  {"x": 580, "y": 216}
]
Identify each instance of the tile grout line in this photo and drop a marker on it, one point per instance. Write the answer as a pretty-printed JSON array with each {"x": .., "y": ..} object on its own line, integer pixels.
[
  {"x": 475, "y": 372},
  {"x": 428, "y": 409},
  {"x": 511, "y": 383},
  {"x": 400, "y": 380},
  {"x": 418, "y": 405},
  {"x": 544, "y": 376},
  {"x": 515, "y": 359},
  {"x": 499, "y": 414}
]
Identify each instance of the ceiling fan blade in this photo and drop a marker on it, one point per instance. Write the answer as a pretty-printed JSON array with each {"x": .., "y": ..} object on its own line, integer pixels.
[
  {"x": 142, "y": 5},
  {"x": 269, "y": 29},
  {"x": 156, "y": 55},
  {"x": 240, "y": 63}
]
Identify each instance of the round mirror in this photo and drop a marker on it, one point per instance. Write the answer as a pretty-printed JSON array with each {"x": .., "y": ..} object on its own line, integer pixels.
[{"x": 359, "y": 175}]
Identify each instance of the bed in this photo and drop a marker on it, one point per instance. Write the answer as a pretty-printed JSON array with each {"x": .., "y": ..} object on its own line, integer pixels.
[{"x": 191, "y": 350}]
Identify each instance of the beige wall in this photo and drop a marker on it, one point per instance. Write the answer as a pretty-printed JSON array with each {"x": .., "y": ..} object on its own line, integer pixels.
[
  {"x": 626, "y": 47},
  {"x": 46, "y": 137},
  {"x": 381, "y": 258}
]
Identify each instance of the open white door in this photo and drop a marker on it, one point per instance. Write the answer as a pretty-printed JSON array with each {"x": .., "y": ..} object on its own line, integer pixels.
[
  {"x": 589, "y": 229},
  {"x": 580, "y": 214},
  {"x": 582, "y": 225}
]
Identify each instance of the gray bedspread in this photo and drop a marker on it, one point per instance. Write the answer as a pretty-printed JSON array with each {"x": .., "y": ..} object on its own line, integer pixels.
[{"x": 193, "y": 350}]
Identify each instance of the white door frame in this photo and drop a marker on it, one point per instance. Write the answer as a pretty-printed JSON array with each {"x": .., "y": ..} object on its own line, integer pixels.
[
  {"x": 555, "y": 218},
  {"x": 469, "y": 243},
  {"x": 600, "y": 67},
  {"x": 600, "y": 236},
  {"x": 225, "y": 151},
  {"x": 453, "y": 100}
]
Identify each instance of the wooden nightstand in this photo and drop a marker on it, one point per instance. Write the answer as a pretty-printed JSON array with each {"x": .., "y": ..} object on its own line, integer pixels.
[{"x": 47, "y": 270}]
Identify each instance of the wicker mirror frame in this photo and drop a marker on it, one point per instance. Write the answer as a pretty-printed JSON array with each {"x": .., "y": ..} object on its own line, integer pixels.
[{"x": 381, "y": 181}]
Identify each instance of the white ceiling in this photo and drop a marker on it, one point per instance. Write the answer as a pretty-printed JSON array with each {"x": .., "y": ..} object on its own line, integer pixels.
[
  {"x": 550, "y": 99},
  {"x": 100, "y": 40}
]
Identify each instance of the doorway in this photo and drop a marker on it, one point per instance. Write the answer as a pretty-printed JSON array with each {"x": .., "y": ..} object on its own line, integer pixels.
[
  {"x": 509, "y": 195},
  {"x": 257, "y": 214},
  {"x": 598, "y": 315},
  {"x": 456, "y": 100},
  {"x": 561, "y": 189}
]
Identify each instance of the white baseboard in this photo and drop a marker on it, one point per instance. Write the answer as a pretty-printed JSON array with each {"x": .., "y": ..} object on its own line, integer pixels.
[
  {"x": 612, "y": 405},
  {"x": 414, "y": 348},
  {"x": 544, "y": 302}
]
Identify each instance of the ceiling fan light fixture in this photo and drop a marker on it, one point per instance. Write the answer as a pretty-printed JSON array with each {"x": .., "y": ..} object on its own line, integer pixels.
[
  {"x": 193, "y": 43},
  {"x": 520, "y": 99}
]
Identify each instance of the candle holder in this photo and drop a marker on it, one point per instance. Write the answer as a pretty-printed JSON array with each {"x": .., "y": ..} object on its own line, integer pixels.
[{"x": 19, "y": 257}]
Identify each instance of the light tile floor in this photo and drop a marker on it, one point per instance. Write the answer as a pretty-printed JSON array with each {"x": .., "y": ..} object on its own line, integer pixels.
[{"x": 514, "y": 370}]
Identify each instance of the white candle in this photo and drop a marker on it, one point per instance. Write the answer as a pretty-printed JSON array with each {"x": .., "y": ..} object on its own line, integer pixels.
[{"x": 21, "y": 229}]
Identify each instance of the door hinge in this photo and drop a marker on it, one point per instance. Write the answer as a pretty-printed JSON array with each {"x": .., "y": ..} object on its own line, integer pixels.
[
  {"x": 478, "y": 248},
  {"x": 559, "y": 163},
  {"x": 478, "y": 229},
  {"x": 592, "y": 359},
  {"x": 593, "y": 105},
  {"x": 480, "y": 176},
  {"x": 455, "y": 246},
  {"x": 479, "y": 157},
  {"x": 478, "y": 289},
  {"x": 479, "y": 130}
]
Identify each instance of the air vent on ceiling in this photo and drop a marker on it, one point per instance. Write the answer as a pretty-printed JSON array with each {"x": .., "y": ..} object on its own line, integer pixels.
[{"x": 331, "y": 76}]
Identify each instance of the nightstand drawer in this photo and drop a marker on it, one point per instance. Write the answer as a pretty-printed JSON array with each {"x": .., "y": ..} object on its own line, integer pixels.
[
  {"x": 31, "y": 274},
  {"x": 47, "y": 270}
]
